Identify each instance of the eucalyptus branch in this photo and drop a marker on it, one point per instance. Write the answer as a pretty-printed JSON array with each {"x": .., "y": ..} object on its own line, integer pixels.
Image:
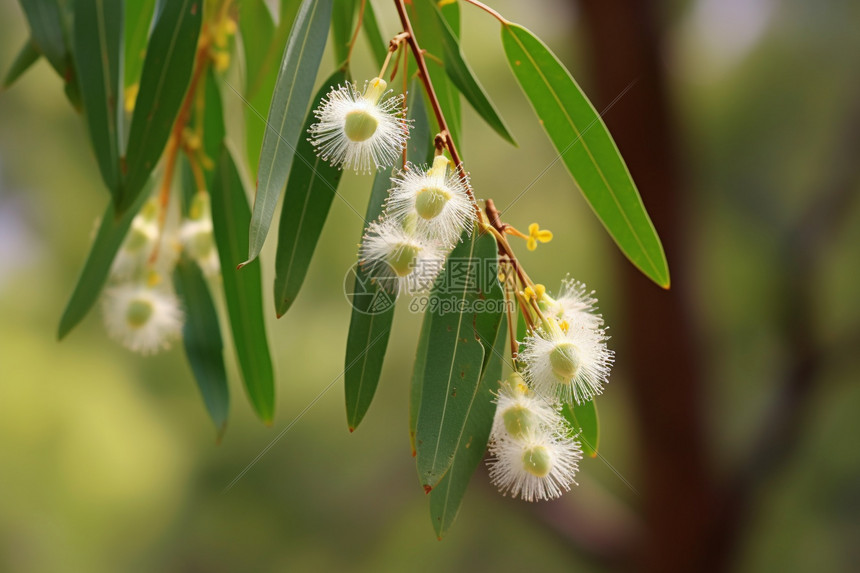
[{"x": 424, "y": 74}]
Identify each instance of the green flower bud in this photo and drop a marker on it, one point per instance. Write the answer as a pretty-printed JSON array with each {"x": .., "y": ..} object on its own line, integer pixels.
[
  {"x": 430, "y": 201},
  {"x": 402, "y": 258},
  {"x": 564, "y": 361},
  {"x": 537, "y": 461},
  {"x": 139, "y": 313},
  {"x": 360, "y": 125},
  {"x": 519, "y": 421}
]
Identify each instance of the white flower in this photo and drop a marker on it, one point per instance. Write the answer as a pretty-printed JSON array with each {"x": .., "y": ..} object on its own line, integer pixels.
[
  {"x": 436, "y": 199},
  {"x": 139, "y": 243},
  {"x": 355, "y": 130},
  {"x": 144, "y": 319},
  {"x": 197, "y": 238},
  {"x": 397, "y": 260},
  {"x": 520, "y": 412},
  {"x": 568, "y": 366},
  {"x": 575, "y": 305},
  {"x": 538, "y": 466}
]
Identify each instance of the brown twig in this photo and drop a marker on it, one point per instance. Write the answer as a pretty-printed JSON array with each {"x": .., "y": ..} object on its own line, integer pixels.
[
  {"x": 434, "y": 100},
  {"x": 174, "y": 144}
]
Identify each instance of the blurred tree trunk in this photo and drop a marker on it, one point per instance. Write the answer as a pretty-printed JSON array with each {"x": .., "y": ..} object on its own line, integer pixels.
[{"x": 659, "y": 347}]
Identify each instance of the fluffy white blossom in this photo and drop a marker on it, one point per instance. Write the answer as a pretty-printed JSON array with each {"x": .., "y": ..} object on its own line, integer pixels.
[
  {"x": 574, "y": 305},
  {"x": 196, "y": 236},
  {"x": 142, "y": 318},
  {"x": 521, "y": 412},
  {"x": 360, "y": 130},
  {"x": 435, "y": 198},
  {"x": 139, "y": 243},
  {"x": 398, "y": 260},
  {"x": 535, "y": 467},
  {"x": 567, "y": 365}
]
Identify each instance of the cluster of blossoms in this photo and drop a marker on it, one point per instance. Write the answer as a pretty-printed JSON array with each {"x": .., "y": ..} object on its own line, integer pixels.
[
  {"x": 427, "y": 209},
  {"x": 566, "y": 360},
  {"x": 533, "y": 455},
  {"x": 140, "y": 307}
]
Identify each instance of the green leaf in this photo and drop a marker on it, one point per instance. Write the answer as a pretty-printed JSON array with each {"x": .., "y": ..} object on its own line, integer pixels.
[
  {"x": 341, "y": 28},
  {"x": 423, "y": 16},
  {"x": 46, "y": 30},
  {"x": 98, "y": 45},
  {"x": 455, "y": 353},
  {"x": 310, "y": 191},
  {"x": 242, "y": 289},
  {"x": 163, "y": 82},
  {"x": 259, "y": 89},
  {"x": 585, "y": 425},
  {"x": 202, "y": 338},
  {"x": 417, "y": 381},
  {"x": 587, "y": 149},
  {"x": 373, "y": 308},
  {"x": 138, "y": 19},
  {"x": 369, "y": 326},
  {"x": 27, "y": 56},
  {"x": 257, "y": 30},
  {"x": 464, "y": 79},
  {"x": 378, "y": 45},
  {"x": 109, "y": 239},
  {"x": 445, "y": 499},
  {"x": 293, "y": 90},
  {"x": 213, "y": 121}
]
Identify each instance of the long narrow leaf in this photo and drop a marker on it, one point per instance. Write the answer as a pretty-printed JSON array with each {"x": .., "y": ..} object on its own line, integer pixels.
[
  {"x": 109, "y": 238},
  {"x": 138, "y": 20},
  {"x": 373, "y": 308},
  {"x": 466, "y": 303},
  {"x": 293, "y": 89},
  {"x": 310, "y": 191},
  {"x": 201, "y": 336},
  {"x": 27, "y": 56},
  {"x": 378, "y": 45},
  {"x": 369, "y": 326},
  {"x": 464, "y": 79},
  {"x": 242, "y": 289},
  {"x": 423, "y": 14},
  {"x": 46, "y": 29},
  {"x": 343, "y": 15},
  {"x": 259, "y": 89},
  {"x": 587, "y": 149},
  {"x": 585, "y": 424},
  {"x": 258, "y": 30},
  {"x": 98, "y": 49},
  {"x": 163, "y": 83},
  {"x": 445, "y": 499}
]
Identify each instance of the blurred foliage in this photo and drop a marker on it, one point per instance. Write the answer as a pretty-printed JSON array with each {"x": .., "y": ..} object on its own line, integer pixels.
[{"x": 108, "y": 461}]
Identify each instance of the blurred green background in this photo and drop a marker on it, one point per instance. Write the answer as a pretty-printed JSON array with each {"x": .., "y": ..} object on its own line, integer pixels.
[{"x": 108, "y": 461}]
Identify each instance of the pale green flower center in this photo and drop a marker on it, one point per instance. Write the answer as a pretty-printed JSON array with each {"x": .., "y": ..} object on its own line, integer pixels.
[
  {"x": 200, "y": 244},
  {"x": 519, "y": 420},
  {"x": 402, "y": 258},
  {"x": 360, "y": 125},
  {"x": 564, "y": 361},
  {"x": 137, "y": 240},
  {"x": 139, "y": 313},
  {"x": 430, "y": 201},
  {"x": 537, "y": 461}
]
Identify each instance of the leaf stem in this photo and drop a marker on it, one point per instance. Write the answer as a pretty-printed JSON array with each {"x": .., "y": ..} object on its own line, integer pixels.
[
  {"x": 489, "y": 11},
  {"x": 357, "y": 28},
  {"x": 434, "y": 101},
  {"x": 174, "y": 144}
]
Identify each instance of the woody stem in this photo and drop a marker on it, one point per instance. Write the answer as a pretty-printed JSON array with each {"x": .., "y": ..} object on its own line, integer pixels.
[{"x": 434, "y": 99}]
